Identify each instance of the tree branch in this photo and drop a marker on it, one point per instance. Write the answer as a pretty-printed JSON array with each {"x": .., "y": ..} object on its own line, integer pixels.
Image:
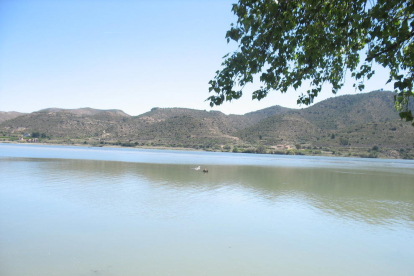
[{"x": 391, "y": 47}]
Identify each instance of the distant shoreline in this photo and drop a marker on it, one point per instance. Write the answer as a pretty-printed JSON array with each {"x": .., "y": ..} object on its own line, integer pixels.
[
  {"x": 100, "y": 146},
  {"x": 322, "y": 153}
]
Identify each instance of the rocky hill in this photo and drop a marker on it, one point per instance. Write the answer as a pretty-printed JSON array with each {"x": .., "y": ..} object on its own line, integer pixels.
[
  {"x": 358, "y": 121},
  {"x": 4, "y": 116},
  {"x": 57, "y": 122}
]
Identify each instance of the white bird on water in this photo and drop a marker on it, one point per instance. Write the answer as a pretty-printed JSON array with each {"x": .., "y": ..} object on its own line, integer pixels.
[{"x": 198, "y": 168}]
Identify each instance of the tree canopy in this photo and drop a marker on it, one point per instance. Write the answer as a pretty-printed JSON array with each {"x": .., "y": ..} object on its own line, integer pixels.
[{"x": 289, "y": 42}]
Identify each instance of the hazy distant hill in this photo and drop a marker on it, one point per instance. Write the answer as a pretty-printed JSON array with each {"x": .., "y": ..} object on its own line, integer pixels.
[
  {"x": 57, "y": 122},
  {"x": 4, "y": 116},
  {"x": 288, "y": 128},
  {"x": 184, "y": 126},
  {"x": 251, "y": 118},
  {"x": 352, "y": 109},
  {"x": 196, "y": 126},
  {"x": 361, "y": 120},
  {"x": 267, "y": 112},
  {"x": 87, "y": 111}
]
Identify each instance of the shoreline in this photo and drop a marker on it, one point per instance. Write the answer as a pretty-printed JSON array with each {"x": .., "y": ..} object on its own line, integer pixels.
[
  {"x": 301, "y": 152},
  {"x": 100, "y": 146}
]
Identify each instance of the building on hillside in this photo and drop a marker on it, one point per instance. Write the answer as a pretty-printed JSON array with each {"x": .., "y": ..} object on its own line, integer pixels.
[{"x": 282, "y": 147}]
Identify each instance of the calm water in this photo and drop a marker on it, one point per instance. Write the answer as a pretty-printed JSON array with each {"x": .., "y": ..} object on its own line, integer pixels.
[{"x": 97, "y": 211}]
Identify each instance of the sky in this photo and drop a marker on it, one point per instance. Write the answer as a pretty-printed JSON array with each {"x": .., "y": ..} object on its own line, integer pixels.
[{"x": 124, "y": 54}]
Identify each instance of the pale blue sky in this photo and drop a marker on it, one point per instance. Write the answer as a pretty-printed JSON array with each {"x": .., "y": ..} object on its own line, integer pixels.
[{"x": 128, "y": 55}]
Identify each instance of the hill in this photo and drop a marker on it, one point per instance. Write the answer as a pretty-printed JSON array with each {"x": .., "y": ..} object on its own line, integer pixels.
[
  {"x": 4, "y": 116},
  {"x": 362, "y": 120},
  {"x": 343, "y": 123},
  {"x": 57, "y": 122},
  {"x": 348, "y": 110}
]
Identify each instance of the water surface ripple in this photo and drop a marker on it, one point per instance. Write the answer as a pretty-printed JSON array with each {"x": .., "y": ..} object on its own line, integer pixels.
[{"x": 85, "y": 211}]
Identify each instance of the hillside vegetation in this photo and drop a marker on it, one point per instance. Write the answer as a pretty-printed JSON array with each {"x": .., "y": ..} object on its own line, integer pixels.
[
  {"x": 363, "y": 125},
  {"x": 4, "y": 116}
]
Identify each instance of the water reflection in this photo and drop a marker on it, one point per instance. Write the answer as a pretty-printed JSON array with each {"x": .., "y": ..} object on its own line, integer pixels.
[
  {"x": 366, "y": 196},
  {"x": 84, "y": 217}
]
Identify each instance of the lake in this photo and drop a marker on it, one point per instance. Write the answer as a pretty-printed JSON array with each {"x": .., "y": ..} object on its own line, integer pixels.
[{"x": 126, "y": 212}]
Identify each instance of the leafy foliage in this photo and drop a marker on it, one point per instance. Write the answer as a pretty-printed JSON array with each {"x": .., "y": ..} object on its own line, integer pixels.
[{"x": 287, "y": 42}]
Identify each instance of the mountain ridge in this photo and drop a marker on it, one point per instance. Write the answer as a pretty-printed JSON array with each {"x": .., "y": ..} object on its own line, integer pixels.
[
  {"x": 7, "y": 115},
  {"x": 362, "y": 120}
]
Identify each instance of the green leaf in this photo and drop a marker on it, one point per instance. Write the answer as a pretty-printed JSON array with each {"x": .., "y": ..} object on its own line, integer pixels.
[{"x": 317, "y": 42}]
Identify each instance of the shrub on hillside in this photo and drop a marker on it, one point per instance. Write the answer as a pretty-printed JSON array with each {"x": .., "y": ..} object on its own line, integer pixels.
[{"x": 344, "y": 142}]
